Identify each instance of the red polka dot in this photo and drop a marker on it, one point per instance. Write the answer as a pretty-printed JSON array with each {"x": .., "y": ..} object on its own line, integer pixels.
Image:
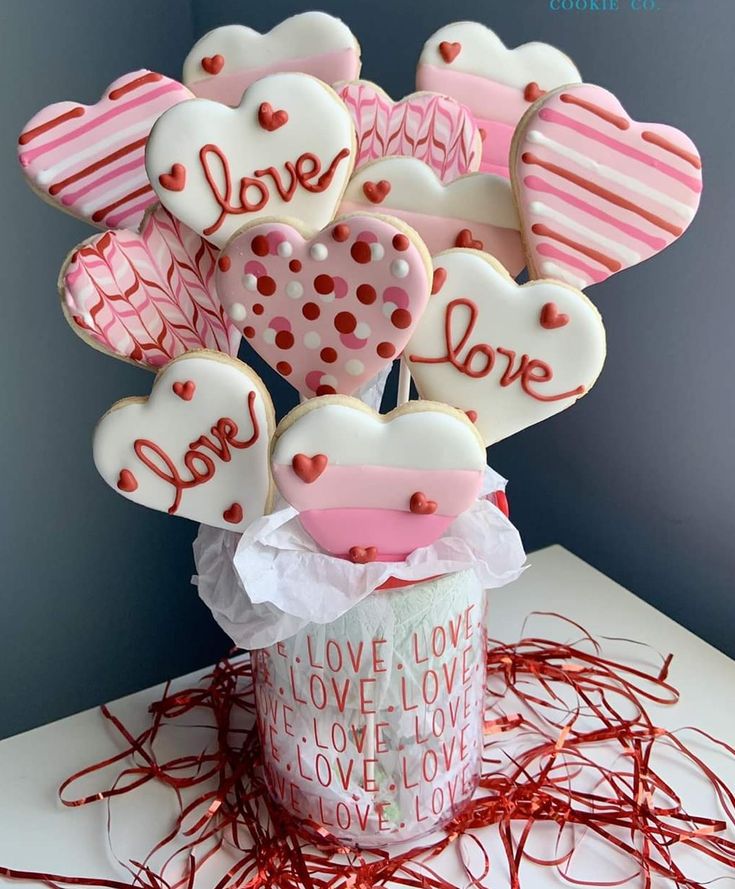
[
  {"x": 259, "y": 245},
  {"x": 401, "y": 319},
  {"x": 284, "y": 368},
  {"x": 284, "y": 339},
  {"x": 401, "y": 242},
  {"x": 386, "y": 350},
  {"x": 249, "y": 332},
  {"x": 326, "y": 390},
  {"x": 257, "y": 309},
  {"x": 266, "y": 285},
  {"x": 328, "y": 355},
  {"x": 360, "y": 252},
  {"x": 366, "y": 294},
  {"x": 323, "y": 284},
  {"x": 341, "y": 232},
  {"x": 345, "y": 322},
  {"x": 224, "y": 262},
  {"x": 311, "y": 311},
  {"x": 295, "y": 265}
]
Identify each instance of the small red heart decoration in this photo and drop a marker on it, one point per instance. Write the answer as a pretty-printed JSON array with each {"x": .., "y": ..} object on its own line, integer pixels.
[
  {"x": 127, "y": 481},
  {"x": 175, "y": 180},
  {"x": 213, "y": 64},
  {"x": 421, "y": 506},
  {"x": 185, "y": 390},
  {"x": 552, "y": 318},
  {"x": 361, "y": 555},
  {"x": 437, "y": 282},
  {"x": 449, "y": 51},
  {"x": 471, "y": 416},
  {"x": 233, "y": 514},
  {"x": 465, "y": 239},
  {"x": 533, "y": 91},
  {"x": 309, "y": 469},
  {"x": 269, "y": 119},
  {"x": 376, "y": 192}
]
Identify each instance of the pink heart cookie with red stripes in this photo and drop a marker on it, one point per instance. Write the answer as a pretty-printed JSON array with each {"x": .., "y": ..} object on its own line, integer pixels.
[
  {"x": 328, "y": 309},
  {"x": 597, "y": 191},
  {"x": 428, "y": 126},
  {"x": 89, "y": 160},
  {"x": 372, "y": 487},
  {"x": 149, "y": 296}
]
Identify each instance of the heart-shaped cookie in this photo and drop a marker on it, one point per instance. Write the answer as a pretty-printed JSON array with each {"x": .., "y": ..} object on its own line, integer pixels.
[
  {"x": 235, "y": 168},
  {"x": 89, "y": 159},
  {"x": 475, "y": 210},
  {"x": 597, "y": 191},
  {"x": 390, "y": 483},
  {"x": 203, "y": 456},
  {"x": 329, "y": 309},
  {"x": 470, "y": 63},
  {"x": 223, "y": 63},
  {"x": 511, "y": 356},
  {"x": 146, "y": 297},
  {"x": 433, "y": 128}
]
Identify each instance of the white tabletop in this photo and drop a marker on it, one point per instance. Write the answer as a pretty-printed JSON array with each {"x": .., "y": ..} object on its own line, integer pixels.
[{"x": 38, "y": 833}]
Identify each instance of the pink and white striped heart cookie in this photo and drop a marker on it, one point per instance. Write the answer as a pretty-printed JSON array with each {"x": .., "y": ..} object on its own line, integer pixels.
[
  {"x": 89, "y": 160},
  {"x": 597, "y": 191}
]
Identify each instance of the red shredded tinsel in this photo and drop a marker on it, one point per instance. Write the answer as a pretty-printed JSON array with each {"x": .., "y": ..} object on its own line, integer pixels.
[{"x": 568, "y": 743}]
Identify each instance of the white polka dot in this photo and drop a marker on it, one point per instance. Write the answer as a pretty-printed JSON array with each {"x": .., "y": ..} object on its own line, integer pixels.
[
  {"x": 388, "y": 309},
  {"x": 237, "y": 312},
  {"x": 269, "y": 335},
  {"x": 318, "y": 252},
  {"x": 354, "y": 367},
  {"x": 285, "y": 249},
  {"x": 295, "y": 289},
  {"x": 250, "y": 282},
  {"x": 329, "y": 380},
  {"x": 312, "y": 340},
  {"x": 328, "y": 297},
  {"x": 399, "y": 268},
  {"x": 362, "y": 331},
  {"x": 377, "y": 252}
]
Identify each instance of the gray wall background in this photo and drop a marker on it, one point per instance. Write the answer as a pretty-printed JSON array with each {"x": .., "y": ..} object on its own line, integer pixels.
[{"x": 637, "y": 479}]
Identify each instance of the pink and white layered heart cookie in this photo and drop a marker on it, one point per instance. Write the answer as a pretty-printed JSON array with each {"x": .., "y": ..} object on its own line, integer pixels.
[
  {"x": 89, "y": 159},
  {"x": 597, "y": 191},
  {"x": 508, "y": 355},
  {"x": 223, "y": 63},
  {"x": 146, "y": 297},
  {"x": 475, "y": 210},
  {"x": 286, "y": 150},
  {"x": 469, "y": 62},
  {"x": 198, "y": 447},
  {"x": 372, "y": 487},
  {"x": 326, "y": 309},
  {"x": 433, "y": 128}
]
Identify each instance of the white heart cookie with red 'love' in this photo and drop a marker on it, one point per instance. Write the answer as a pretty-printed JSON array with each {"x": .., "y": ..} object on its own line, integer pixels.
[
  {"x": 329, "y": 309},
  {"x": 597, "y": 191},
  {"x": 286, "y": 150},
  {"x": 197, "y": 447},
  {"x": 508, "y": 355},
  {"x": 372, "y": 487}
]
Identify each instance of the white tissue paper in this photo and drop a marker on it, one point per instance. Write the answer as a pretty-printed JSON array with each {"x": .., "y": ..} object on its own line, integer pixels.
[{"x": 267, "y": 584}]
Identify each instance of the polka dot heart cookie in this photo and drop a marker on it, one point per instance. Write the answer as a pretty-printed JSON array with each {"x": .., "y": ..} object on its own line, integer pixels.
[{"x": 326, "y": 310}]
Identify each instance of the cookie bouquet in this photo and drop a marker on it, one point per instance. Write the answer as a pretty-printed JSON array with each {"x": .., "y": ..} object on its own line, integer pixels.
[{"x": 276, "y": 199}]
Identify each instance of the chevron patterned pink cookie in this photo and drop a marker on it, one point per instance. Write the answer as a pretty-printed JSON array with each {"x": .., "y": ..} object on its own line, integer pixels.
[
  {"x": 597, "y": 191},
  {"x": 89, "y": 159},
  {"x": 146, "y": 297},
  {"x": 433, "y": 128}
]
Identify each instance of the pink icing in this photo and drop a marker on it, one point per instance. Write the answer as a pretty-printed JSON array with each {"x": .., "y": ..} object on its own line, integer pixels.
[
  {"x": 90, "y": 159},
  {"x": 379, "y": 487},
  {"x": 330, "y": 67},
  {"x": 148, "y": 297},
  {"x": 434, "y": 129},
  {"x": 440, "y": 233},
  {"x": 335, "y": 344},
  {"x": 394, "y": 533}
]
